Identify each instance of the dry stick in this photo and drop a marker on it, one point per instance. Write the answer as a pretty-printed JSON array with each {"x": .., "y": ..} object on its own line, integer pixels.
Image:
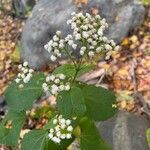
[
  {"x": 101, "y": 78},
  {"x": 133, "y": 75},
  {"x": 92, "y": 75}
]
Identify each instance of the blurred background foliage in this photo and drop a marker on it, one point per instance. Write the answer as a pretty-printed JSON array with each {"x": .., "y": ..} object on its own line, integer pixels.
[{"x": 146, "y": 2}]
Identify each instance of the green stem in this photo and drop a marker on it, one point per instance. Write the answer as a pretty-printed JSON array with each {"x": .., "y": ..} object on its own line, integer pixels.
[
  {"x": 77, "y": 70},
  {"x": 67, "y": 52}
]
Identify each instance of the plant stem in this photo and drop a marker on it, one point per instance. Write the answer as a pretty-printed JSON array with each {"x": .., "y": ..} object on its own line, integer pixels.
[
  {"x": 77, "y": 70},
  {"x": 67, "y": 52}
]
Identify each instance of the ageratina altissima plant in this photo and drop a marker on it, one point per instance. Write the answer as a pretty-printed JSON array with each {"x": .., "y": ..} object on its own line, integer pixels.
[{"x": 78, "y": 105}]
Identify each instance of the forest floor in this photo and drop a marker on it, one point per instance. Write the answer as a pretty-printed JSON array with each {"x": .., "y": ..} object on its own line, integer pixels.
[{"x": 127, "y": 73}]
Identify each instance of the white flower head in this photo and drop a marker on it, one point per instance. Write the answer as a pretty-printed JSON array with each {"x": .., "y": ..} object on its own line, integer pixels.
[
  {"x": 81, "y": 52},
  {"x": 98, "y": 49},
  {"x": 68, "y": 122},
  {"x": 70, "y": 128},
  {"x": 68, "y": 136},
  {"x": 58, "y": 33},
  {"x": 62, "y": 76},
  {"x": 78, "y": 36},
  {"x": 108, "y": 47},
  {"x": 17, "y": 80},
  {"x": 53, "y": 58},
  {"x": 91, "y": 53},
  {"x": 55, "y": 38},
  {"x": 55, "y": 83},
  {"x": 67, "y": 87},
  {"x": 52, "y": 77},
  {"x": 63, "y": 136},
  {"x": 62, "y": 129},
  {"x": 74, "y": 46},
  {"x": 25, "y": 74},
  {"x": 54, "y": 121},
  {"x": 25, "y": 64},
  {"x": 50, "y": 135},
  {"x": 85, "y": 34},
  {"x": 100, "y": 32}
]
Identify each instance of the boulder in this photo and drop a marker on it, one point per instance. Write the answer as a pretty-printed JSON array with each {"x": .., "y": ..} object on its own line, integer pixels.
[
  {"x": 48, "y": 16},
  {"x": 125, "y": 131},
  {"x": 21, "y": 7}
]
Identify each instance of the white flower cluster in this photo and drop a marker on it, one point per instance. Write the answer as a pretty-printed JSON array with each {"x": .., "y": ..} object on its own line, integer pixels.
[
  {"x": 89, "y": 30},
  {"x": 55, "y": 46},
  {"x": 70, "y": 41},
  {"x": 62, "y": 130},
  {"x": 88, "y": 33},
  {"x": 25, "y": 74},
  {"x": 55, "y": 84}
]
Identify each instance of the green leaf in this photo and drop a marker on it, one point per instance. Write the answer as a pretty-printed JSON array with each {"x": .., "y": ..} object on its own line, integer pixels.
[
  {"x": 90, "y": 137},
  {"x": 71, "y": 103},
  {"x": 99, "y": 102},
  {"x": 38, "y": 140},
  {"x": 9, "y": 136},
  {"x": 22, "y": 98},
  {"x": 84, "y": 69},
  {"x": 148, "y": 136},
  {"x": 43, "y": 111},
  {"x": 35, "y": 140},
  {"x": 49, "y": 145},
  {"x": 67, "y": 69},
  {"x": 50, "y": 124}
]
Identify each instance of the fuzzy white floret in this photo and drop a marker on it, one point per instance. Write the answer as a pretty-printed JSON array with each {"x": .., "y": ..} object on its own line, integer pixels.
[
  {"x": 25, "y": 64},
  {"x": 91, "y": 53},
  {"x": 68, "y": 136},
  {"x": 67, "y": 87},
  {"x": 68, "y": 122},
  {"x": 70, "y": 128},
  {"x": 53, "y": 58}
]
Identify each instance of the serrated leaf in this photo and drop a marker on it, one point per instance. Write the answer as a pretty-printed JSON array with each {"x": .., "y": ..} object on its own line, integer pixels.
[
  {"x": 90, "y": 137},
  {"x": 99, "y": 102},
  {"x": 50, "y": 124},
  {"x": 71, "y": 103},
  {"x": 84, "y": 69},
  {"x": 67, "y": 69},
  {"x": 34, "y": 140},
  {"x": 9, "y": 136},
  {"x": 38, "y": 140},
  {"x": 49, "y": 145},
  {"x": 22, "y": 98}
]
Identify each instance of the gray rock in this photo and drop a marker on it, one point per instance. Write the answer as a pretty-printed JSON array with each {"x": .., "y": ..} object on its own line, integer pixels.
[
  {"x": 51, "y": 15},
  {"x": 125, "y": 131},
  {"x": 21, "y": 6},
  {"x": 47, "y": 18}
]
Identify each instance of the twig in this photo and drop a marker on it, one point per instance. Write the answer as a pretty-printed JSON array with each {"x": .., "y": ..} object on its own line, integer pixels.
[
  {"x": 101, "y": 78},
  {"x": 133, "y": 75},
  {"x": 92, "y": 75}
]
